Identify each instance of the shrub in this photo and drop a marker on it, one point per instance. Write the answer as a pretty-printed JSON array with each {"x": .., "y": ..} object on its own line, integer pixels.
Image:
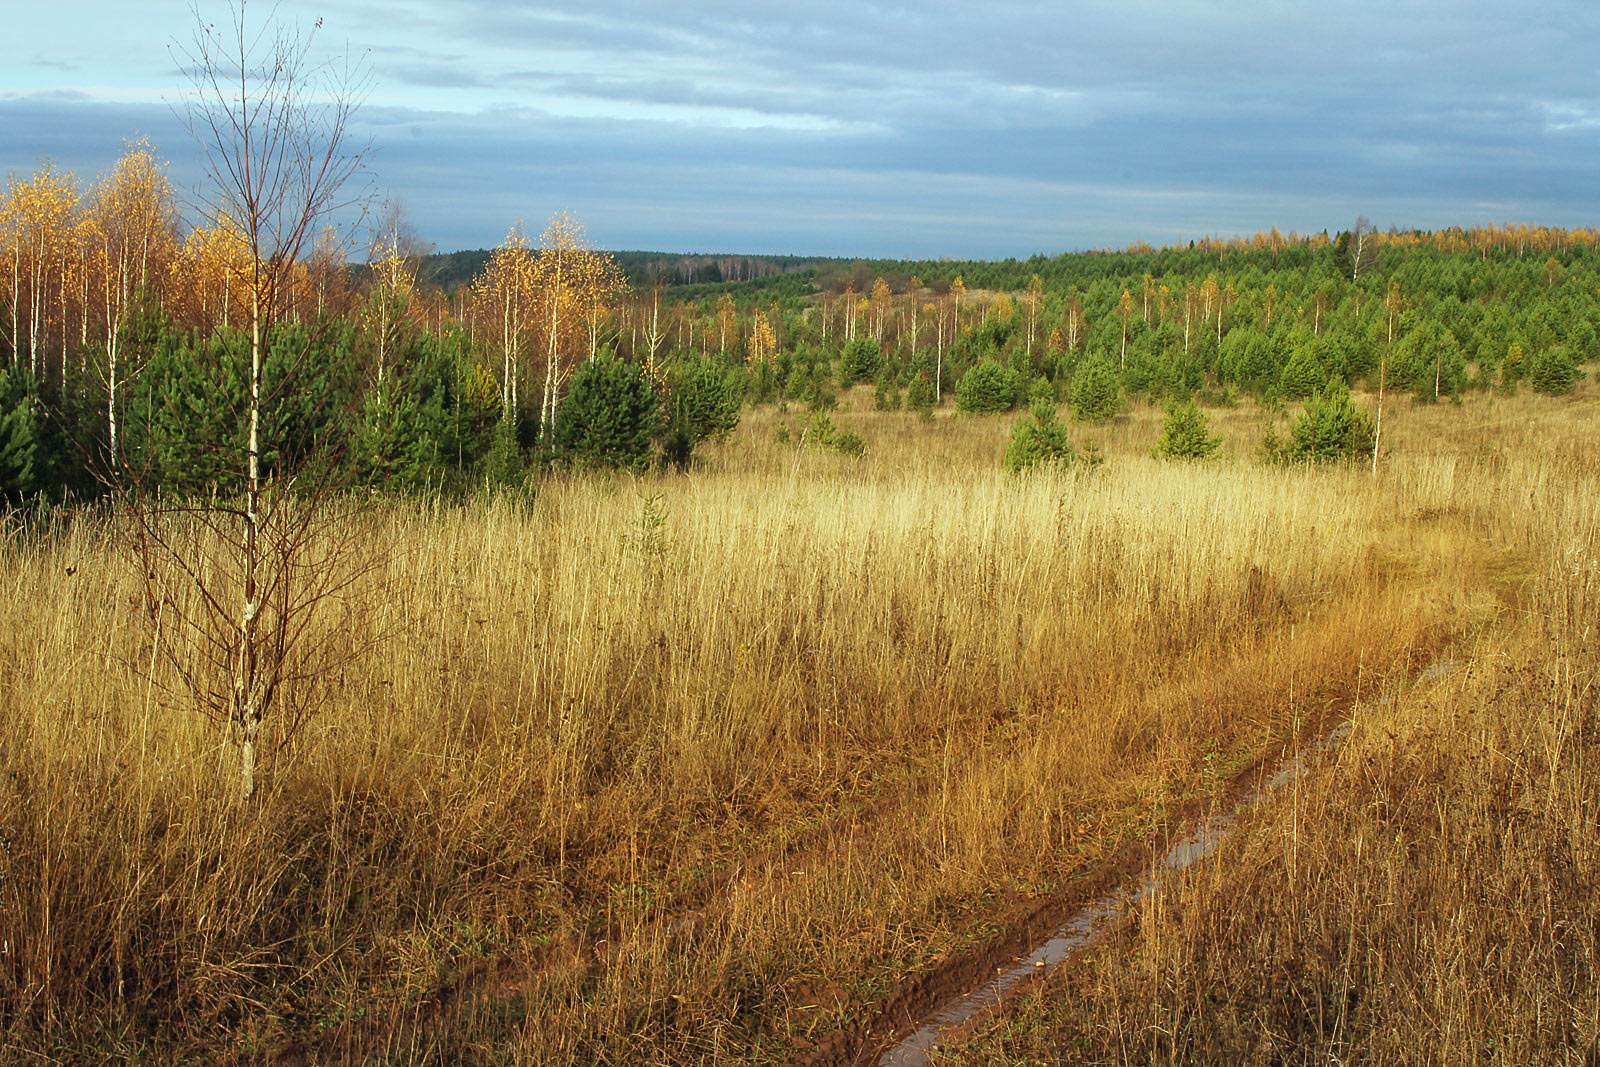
[
  {"x": 921, "y": 396},
  {"x": 1038, "y": 439},
  {"x": 609, "y": 416},
  {"x": 850, "y": 443},
  {"x": 859, "y": 361},
  {"x": 1332, "y": 428},
  {"x": 988, "y": 388},
  {"x": 823, "y": 435},
  {"x": 1185, "y": 433},
  {"x": 1096, "y": 394}
]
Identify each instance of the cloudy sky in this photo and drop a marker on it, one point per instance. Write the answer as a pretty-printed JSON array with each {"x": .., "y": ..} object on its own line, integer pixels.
[{"x": 907, "y": 129}]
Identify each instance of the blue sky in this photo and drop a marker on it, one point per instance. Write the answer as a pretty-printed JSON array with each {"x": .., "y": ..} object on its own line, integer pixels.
[{"x": 864, "y": 128}]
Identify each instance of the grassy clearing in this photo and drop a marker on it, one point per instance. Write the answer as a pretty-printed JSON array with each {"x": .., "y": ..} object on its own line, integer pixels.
[
  {"x": 785, "y": 729},
  {"x": 1435, "y": 898}
]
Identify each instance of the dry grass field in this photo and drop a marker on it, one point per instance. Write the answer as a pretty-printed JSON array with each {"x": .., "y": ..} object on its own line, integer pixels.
[
  {"x": 701, "y": 768},
  {"x": 1434, "y": 897}
]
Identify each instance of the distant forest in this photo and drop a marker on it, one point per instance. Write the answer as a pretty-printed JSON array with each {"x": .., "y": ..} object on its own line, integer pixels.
[
  {"x": 122, "y": 326},
  {"x": 451, "y": 270}
]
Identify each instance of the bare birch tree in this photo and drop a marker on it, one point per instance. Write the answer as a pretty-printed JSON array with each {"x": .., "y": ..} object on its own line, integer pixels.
[{"x": 274, "y": 127}]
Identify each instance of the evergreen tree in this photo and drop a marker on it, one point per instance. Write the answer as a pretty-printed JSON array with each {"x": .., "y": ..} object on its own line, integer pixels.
[
  {"x": 1331, "y": 428},
  {"x": 1554, "y": 371},
  {"x": 503, "y": 463},
  {"x": 1303, "y": 375},
  {"x": 1043, "y": 390},
  {"x": 609, "y": 416},
  {"x": 1583, "y": 342},
  {"x": 859, "y": 361},
  {"x": 1429, "y": 361},
  {"x": 392, "y": 449},
  {"x": 1185, "y": 433},
  {"x": 458, "y": 401},
  {"x": 704, "y": 398},
  {"x": 22, "y": 454},
  {"x": 920, "y": 395},
  {"x": 885, "y": 397},
  {"x": 1512, "y": 368},
  {"x": 988, "y": 388},
  {"x": 1096, "y": 395},
  {"x": 187, "y": 430},
  {"x": 1038, "y": 439},
  {"x": 703, "y": 401}
]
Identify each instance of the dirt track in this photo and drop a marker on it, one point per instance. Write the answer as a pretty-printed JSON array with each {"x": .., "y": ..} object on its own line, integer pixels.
[{"x": 1024, "y": 924}]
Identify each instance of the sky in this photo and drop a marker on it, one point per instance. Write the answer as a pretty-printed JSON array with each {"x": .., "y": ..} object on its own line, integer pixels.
[{"x": 918, "y": 130}]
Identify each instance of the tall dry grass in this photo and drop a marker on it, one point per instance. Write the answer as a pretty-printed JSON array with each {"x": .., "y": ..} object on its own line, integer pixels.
[
  {"x": 780, "y": 730},
  {"x": 1435, "y": 897}
]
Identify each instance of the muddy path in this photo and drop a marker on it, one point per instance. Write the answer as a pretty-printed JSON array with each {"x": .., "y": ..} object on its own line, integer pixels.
[
  {"x": 930, "y": 1008},
  {"x": 952, "y": 996},
  {"x": 958, "y": 1015},
  {"x": 954, "y": 999}
]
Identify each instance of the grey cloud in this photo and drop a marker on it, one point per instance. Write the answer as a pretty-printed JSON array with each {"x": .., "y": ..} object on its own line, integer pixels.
[
  {"x": 44, "y": 63},
  {"x": 431, "y": 75},
  {"x": 81, "y": 134},
  {"x": 1003, "y": 129}
]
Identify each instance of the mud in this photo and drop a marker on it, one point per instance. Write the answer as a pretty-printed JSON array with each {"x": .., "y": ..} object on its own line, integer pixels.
[
  {"x": 938, "y": 1006},
  {"x": 957, "y": 1016},
  {"x": 952, "y": 1001}
]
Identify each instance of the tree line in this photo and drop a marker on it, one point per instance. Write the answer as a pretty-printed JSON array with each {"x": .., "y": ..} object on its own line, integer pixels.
[
  {"x": 119, "y": 320},
  {"x": 1430, "y": 315},
  {"x": 123, "y": 337}
]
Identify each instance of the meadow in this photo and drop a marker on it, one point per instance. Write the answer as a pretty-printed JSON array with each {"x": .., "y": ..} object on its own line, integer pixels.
[
  {"x": 1431, "y": 898},
  {"x": 711, "y": 767}
]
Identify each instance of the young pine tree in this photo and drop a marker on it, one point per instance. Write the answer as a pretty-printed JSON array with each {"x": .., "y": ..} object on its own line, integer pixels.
[
  {"x": 1096, "y": 394},
  {"x": 1185, "y": 433},
  {"x": 988, "y": 388},
  {"x": 1332, "y": 428},
  {"x": 609, "y": 416},
  {"x": 921, "y": 396},
  {"x": 22, "y": 454},
  {"x": 1038, "y": 439}
]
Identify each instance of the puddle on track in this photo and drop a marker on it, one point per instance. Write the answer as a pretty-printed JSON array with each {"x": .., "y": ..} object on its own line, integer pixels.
[{"x": 1095, "y": 919}]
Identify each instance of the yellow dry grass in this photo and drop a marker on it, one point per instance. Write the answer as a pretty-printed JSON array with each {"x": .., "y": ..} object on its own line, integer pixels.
[
  {"x": 1434, "y": 897},
  {"x": 784, "y": 728}
]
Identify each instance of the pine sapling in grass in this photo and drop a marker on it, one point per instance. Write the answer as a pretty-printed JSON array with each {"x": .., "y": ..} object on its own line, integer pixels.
[
  {"x": 921, "y": 396},
  {"x": 1096, "y": 393},
  {"x": 1332, "y": 428},
  {"x": 1038, "y": 439},
  {"x": 885, "y": 396},
  {"x": 1185, "y": 433}
]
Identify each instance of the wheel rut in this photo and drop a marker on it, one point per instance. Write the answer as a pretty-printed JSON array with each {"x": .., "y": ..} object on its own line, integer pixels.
[{"x": 951, "y": 1001}]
